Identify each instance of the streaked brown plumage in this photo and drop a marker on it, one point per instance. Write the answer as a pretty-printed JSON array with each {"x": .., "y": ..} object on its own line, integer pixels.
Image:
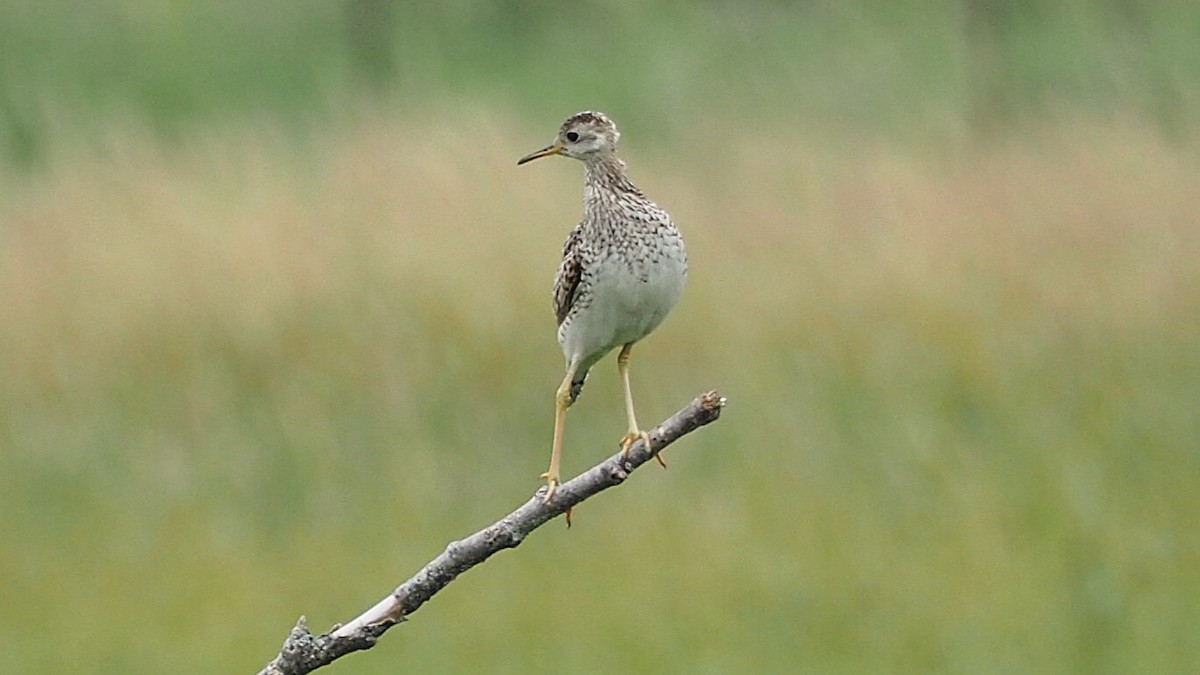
[{"x": 624, "y": 267}]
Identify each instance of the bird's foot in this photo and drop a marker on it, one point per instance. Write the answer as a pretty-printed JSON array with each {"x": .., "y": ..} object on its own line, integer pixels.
[
  {"x": 632, "y": 437},
  {"x": 552, "y": 483}
]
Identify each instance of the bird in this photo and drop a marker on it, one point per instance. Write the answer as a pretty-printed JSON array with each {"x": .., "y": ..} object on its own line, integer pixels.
[{"x": 623, "y": 269}]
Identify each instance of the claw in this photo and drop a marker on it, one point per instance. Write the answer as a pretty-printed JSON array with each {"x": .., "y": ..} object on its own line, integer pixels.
[
  {"x": 632, "y": 437},
  {"x": 552, "y": 484}
]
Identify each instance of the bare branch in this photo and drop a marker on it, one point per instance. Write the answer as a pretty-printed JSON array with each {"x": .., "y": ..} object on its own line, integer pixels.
[{"x": 304, "y": 652}]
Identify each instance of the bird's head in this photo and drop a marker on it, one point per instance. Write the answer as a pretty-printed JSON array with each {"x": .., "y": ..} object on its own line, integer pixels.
[{"x": 586, "y": 136}]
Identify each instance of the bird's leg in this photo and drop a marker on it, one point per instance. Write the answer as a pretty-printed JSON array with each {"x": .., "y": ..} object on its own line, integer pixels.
[
  {"x": 635, "y": 432},
  {"x": 562, "y": 401}
]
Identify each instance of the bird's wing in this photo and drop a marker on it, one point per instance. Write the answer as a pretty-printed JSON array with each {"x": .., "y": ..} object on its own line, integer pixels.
[{"x": 566, "y": 283}]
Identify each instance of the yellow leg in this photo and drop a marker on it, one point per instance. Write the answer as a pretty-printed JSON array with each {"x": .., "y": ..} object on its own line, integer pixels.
[
  {"x": 635, "y": 432},
  {"x": 562, "y": 401}
]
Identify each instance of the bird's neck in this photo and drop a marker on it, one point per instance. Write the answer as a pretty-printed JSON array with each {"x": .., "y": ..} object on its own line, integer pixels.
[{"x": 605, "y": 180}]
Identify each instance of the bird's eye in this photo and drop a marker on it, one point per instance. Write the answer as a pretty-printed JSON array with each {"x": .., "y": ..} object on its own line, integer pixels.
[{"x": 572, "y": 136}]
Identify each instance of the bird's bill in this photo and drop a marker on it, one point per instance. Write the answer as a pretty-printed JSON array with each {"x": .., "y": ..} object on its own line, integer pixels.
[{"x": 552, "y": 149}]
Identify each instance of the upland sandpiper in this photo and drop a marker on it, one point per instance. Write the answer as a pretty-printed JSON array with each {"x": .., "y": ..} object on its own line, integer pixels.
[{"x": 623, "y": 269}]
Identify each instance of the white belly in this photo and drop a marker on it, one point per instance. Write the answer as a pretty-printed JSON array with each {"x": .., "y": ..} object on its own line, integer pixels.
[{"x": 623, "y": 307}]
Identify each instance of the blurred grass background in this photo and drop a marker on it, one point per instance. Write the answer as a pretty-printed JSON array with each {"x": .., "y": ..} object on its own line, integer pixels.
[{"x": 274, "y": 310}]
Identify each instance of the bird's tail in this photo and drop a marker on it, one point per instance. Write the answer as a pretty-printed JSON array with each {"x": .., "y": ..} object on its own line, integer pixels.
[{"x": 577, "y": 384}]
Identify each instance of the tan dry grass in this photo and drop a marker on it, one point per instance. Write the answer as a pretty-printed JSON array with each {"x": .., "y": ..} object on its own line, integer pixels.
[{"x": 964, "y": 387}]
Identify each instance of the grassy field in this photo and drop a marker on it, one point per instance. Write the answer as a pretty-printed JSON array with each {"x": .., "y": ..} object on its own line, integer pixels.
[{"x": 265, "y": 360}]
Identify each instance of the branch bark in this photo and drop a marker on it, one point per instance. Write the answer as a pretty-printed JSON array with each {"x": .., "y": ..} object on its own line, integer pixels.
[{"x": 304, "y": 652}]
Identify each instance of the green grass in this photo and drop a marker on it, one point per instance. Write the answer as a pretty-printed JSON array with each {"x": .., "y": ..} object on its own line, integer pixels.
[
  {"x": 272, "y": 339},
  {"x": 962, "y": 431},
  {"x": 917, "y": 71}
]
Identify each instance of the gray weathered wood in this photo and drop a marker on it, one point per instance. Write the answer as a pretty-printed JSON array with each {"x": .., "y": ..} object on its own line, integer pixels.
[{"x": 304, "y": 652}]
